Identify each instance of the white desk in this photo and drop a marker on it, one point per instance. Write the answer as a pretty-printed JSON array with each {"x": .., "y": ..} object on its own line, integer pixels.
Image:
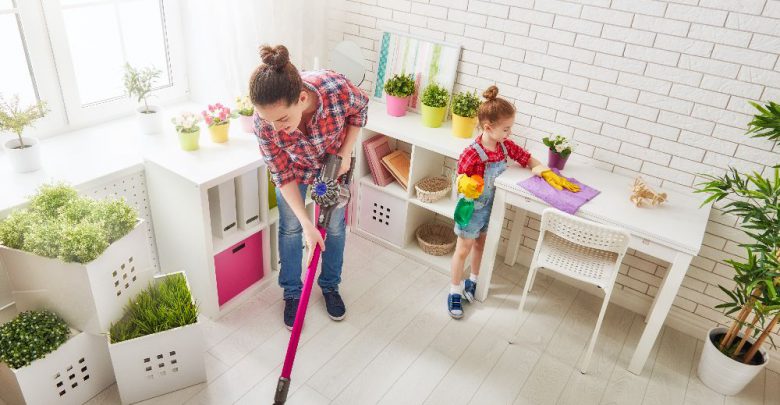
[{"x": 672, "y": 232}]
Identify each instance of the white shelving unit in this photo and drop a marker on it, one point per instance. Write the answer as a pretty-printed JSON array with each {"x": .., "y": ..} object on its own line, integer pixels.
[
  {"x": 430, "y": 148},
  {"x": 178, "y": 183}
]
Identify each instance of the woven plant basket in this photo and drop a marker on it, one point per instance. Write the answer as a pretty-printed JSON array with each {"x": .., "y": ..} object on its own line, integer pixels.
[
  {"x": 432, "y": 189},
  {"x": 435, "y": 239}
]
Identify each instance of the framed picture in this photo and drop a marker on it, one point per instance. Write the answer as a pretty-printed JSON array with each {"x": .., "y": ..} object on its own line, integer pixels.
[{"x": 426, "y": 60}]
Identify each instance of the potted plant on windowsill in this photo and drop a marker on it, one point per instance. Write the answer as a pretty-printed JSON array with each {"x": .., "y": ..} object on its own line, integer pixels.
[
  {"x": 157, "y": 347},
  {"x": 246, "y": 113},
  {"x": 188, "y": 130},
  {"x": 38, "y": 347},
  {"x": 218, "y": 117},
  {"x": 464, "y": 114},
  {"x": 399, "y": 88},
  {"x": 434, "y": 105},
  {"x": 733, "y": 356},
  {"x": 560, "y": 150},
  {"x": 24, "y": 152},
  {"x": 81, "y": 256},
  {"x": 138, "y": 83}
]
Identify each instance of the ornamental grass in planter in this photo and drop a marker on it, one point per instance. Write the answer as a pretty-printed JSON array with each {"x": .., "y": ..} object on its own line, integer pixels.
[{"x": 157, "y": 347}]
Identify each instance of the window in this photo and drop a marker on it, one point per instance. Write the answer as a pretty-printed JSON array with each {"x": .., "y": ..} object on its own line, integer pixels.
[{"x": 71, "y": 53}]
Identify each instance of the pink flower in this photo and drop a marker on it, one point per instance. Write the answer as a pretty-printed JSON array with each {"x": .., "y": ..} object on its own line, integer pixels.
[
  {"x": 223, "y": 116},
  {"x": 211, "y": 107},
  {"x": 209, "y": 120},
  {"x": 219, "y": 105},
  {"x": 204, "y": 114}
]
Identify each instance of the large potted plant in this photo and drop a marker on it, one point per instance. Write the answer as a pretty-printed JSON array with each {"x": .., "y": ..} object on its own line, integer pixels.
[
  {"x": 434, "y": 105},
  {"x": 559, "y": 151},
  {"x": 218, "y": 117},
  {"x": 42, "y": 361},
  {"x": 81, "y": 256},
  {"x": 188, "y": 130},
  {"x": 24, "y": 152},
  {"x": 246, "y": 112},
  {"x": 138, "y": 83},
  {"x": 733, "y": 356},
  {"x": 399, "y": 88},
  {"x": 464, "y": 114},
  {"x": 157, "y": 346}
]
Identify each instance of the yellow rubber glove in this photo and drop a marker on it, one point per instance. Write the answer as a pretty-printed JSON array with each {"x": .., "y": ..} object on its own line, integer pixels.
[
  {"x": 558, "y": 182},
  {"x": 471, "y": 186}
]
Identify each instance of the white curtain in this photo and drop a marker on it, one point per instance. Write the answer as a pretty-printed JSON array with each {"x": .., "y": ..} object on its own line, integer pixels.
[{"x": 222, "y": 40}]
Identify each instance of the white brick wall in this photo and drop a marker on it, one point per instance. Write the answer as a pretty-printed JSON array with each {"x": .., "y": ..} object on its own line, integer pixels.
[{"x": 650, "y": 87}]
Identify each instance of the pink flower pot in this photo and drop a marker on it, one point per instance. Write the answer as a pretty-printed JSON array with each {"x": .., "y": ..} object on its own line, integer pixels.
[
  {"x": 247, "y": 123},
  {"x": 396, "y": 106},
  {"x": 556, "y": 161}
]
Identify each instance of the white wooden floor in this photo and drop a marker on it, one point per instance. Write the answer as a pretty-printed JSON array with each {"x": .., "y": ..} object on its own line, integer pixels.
[{"x": 398, "y": 345}]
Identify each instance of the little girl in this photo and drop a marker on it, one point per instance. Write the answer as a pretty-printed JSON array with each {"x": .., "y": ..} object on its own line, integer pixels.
[{"x": 480, "y": 163}]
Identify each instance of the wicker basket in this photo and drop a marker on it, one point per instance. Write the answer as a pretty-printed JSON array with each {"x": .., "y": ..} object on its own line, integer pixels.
[
  {"x": 432, "y": 189},
  {"x": 436, "y": 239}
]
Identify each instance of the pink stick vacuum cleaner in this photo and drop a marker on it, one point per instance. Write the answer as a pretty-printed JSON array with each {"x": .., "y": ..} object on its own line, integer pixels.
[{"x": 329, "y": 193}]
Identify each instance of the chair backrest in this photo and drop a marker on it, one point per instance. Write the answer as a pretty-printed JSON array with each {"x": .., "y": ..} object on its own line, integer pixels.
[{"x": 584, "y": 232}]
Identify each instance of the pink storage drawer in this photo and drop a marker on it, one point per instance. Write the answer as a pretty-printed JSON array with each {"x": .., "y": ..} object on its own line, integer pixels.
[{"x": 238, "y": 267}]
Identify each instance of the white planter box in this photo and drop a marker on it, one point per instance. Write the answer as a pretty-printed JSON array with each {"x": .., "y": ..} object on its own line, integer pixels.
[
  {"x": 382, "y": 215},
  {"x": 77, "y": 371},
  {"x": 723, "y": 374},
  {"x": 87, "y": 296},
  {"x": 157, "y": 364},
  {"x": 248, "y": 199}
]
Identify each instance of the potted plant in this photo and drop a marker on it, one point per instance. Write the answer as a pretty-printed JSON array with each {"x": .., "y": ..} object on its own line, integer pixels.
[
  {"x": 38, "y": 347},
  {"x": 733, "y": 356},
  {"x": 138, "y": 83},
  {"x": 188, "y": 129},
  {"x": 464, "y": 114},
  {"x": 217, "y": 117},
  {"x": 399, "y": 88},
  {"x": 434, "y": 105},
  {"x": 560, "y": 150},
  {"x": 246, "y": 113},
  {"x": 81, "y": 256},
  {"x": 24, "y": 152},
  {"x": 157, "y": 346}
]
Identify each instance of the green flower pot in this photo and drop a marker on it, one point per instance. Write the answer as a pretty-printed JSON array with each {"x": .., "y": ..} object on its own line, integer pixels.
[
  {"x": 433, "y": 116},
  {"x": 189, "y": 140}
]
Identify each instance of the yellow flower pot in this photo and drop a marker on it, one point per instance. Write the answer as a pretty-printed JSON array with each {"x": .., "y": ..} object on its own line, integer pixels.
[
  {"x": 219, "y": 133},
  {"x": 433, "y": 116},
  {"x": 189, "y": 140},
  {"x": 463, "y": 127}
]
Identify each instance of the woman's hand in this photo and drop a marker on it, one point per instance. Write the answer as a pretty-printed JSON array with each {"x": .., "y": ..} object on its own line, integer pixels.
[
  {"x": 312, "y": 237},
  {"x": 345, "y": 164}
]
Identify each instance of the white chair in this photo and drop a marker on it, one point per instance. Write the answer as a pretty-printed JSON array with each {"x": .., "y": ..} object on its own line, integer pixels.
[{"x": 580, "y": 249}]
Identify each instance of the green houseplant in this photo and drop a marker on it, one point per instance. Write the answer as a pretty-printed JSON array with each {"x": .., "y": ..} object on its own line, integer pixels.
[
  {"x": 399, "y": 88},
  {"x": 188, "y": 130},
  {"x": 162, "y": 322},
  {"x": 733, "y": 356},
  {"x": 464, "y": 113},
  {"x": 434, "y": 105},
  {"x": 138, "y": 84},
  {"x": 246, "y": 112},
  {"x": 24, "y": 151},
  {"x": 559, "y": 151},
  {"x": 30, "y": 336}
]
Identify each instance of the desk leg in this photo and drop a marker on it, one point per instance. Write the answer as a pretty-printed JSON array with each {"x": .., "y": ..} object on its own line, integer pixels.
[
  {"x": 512, "y": 246},
  {"x": 661, "y": 305},
  {"x": 491, "y": 244}
]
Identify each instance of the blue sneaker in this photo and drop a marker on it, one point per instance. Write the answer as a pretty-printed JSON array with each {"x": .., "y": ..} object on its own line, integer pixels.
[
  {"x": 454, "y": 306},
  {"x": 470, "y": 290}
]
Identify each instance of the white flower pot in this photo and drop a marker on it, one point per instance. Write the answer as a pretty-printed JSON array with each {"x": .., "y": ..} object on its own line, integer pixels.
[
  {"x": 157, "y": 364},
  {"x": 23, "y": 160},
  {"x": 723, "y": 374},
  {"x": 150, "y": 122},
  {"x": 89, "y": 297},
  {"x": 75, "y": 372}
]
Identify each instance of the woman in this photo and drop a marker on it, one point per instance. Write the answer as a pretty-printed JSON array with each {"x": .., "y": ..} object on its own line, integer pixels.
[{"x": 300, "y": 118}]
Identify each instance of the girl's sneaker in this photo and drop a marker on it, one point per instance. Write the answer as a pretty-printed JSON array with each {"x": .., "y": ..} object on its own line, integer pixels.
[
  {"x": 454, "y": 306},
  {"x": 470, "y": 290}
]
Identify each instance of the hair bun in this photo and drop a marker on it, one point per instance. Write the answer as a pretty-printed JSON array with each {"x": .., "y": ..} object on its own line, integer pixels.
[
  {"x": 277, "y": 57},
  {"x": 490, "y": 93}
]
